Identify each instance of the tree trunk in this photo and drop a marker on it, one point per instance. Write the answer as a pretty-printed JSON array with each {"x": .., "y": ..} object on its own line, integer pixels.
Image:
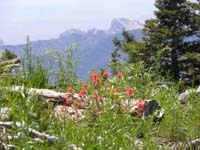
[{"x": 174, "y": 60}]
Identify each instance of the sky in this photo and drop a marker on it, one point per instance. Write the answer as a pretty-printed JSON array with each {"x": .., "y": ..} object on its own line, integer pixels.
[{"x": 45, "y": 19}]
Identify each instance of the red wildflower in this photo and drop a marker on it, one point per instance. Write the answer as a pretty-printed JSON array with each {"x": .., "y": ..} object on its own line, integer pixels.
[
  {"x": 94, "y": 97},
  {"x": 100, "y": 99},
  {"x": 81, "y": 105},
  {"x": 139, "y": 104},
  {"x": 70, "y": 89},
  {"x": 120, "y": 75},
  {"x": 99, "y": 112},
  {"x": 129, "y": 91},
  {"x": 95, "y": 77},
  {"x": 82, "y": 93},
  {"x": 106, "y": 74}
]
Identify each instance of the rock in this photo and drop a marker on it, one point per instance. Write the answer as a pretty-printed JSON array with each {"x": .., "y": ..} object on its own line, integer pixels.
[
  {"x": 4, "y": 113},
  {"x": 150, "y": 108},
  {"x": 183, "y": 97},
  {"x": 68, "y": 113},
  {"x": 147, "y": 108},
  {"x": 153, "y": 108},
  {"x": 139, "y": 144},
  {"x": 198, "y": 90}
]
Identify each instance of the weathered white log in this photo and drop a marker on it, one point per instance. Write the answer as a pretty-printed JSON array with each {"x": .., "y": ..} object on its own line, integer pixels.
[
  {"x": 74, "y": 147},
  {"x": 9, "y": 62},
  {"x": 194, "y": 144},
  {"x": 10, "y": 146},
  {"x": 49, "y": 94},
  {"x": 10, "y": 66},
  {"x": 39, "y": 134},
  {"x": 33, "y": 131},
  {"x": 10, "y": 124}
]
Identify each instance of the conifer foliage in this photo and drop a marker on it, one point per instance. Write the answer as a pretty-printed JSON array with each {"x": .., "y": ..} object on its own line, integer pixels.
[{"x": 177, "y": 26}]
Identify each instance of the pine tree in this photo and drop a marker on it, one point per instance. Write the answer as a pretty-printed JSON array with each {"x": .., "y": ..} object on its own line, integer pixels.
[
  {"x": 177, "y": 26},
  {"x": 127, "y": 45}
]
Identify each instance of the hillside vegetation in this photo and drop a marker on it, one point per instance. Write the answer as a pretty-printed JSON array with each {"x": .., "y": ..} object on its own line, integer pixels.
[
  {"x": 97, "y": 114},
  {"x": 151, "y": 101}
]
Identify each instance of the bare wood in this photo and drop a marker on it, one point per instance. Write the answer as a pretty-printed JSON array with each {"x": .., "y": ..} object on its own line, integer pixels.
[
  {"x": 9, "y": 62},
  {"x": 10, "y": 66},
  {"x": 49, "y": 94},
  {"x": 33, "y": 131},
  {"x": 194, "y": 144},
  {"x": 2, "y": 146},
  {"x": 39, "y": 134},
  {"x": 7, "y": 124}
]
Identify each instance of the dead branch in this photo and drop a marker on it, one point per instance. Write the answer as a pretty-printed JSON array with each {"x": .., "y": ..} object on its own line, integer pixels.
[
  {"x": 10, "y": 62},
  {"x": 39, "y": 134},
  {"x": 194, "y": 144},
  {"x": 10, "y": 66},
  {"x": 33, "y": 131}
]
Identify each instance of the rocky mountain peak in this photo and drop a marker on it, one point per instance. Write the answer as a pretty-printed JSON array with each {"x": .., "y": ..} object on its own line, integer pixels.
[
  {"x": 118, "y": 24},
  {"x": 71, "y": 32}
]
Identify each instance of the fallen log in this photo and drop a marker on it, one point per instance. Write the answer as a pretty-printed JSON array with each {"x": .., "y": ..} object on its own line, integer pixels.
[
  {"x": 39, "y": 134},
  {"x": 32, "y": 131},
  {"x": 10, "y": 62},
  {"x": 48, "y": 94},
  {"x": 10, "y": 66},
  {"x": 194, "y": 144},
  {"x": 36, "y": 133}
]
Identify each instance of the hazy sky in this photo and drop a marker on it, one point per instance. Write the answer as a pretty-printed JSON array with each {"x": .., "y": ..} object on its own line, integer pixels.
[{"x": 44, "y": 19}]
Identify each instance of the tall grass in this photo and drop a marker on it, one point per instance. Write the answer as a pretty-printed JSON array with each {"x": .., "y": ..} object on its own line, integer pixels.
[{"x": 114, "y": 128}]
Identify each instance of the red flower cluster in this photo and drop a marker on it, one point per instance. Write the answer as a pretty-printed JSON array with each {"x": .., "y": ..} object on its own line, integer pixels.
[
  {"x": 95, "y": 77},
  {"x": 119, "y": 75},
  {"x": 100, "y": 99},
  {"x": 106, "y": 74},
  {"x": 129, "y": 91},
  {"x": 82, "y": 93},
  {"x": 139, "y": 104},
  {"x": 70, "y": 89}
]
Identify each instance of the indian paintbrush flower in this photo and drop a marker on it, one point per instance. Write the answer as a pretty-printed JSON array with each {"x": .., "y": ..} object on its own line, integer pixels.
[{"x": 129, "y": 91}]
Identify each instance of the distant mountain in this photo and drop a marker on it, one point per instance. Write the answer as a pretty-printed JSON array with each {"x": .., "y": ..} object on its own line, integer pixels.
[
  {"x": 1, "y": 42},
  {"x": 95, "y": 46},
  {"x": 119, "y": 24}
]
